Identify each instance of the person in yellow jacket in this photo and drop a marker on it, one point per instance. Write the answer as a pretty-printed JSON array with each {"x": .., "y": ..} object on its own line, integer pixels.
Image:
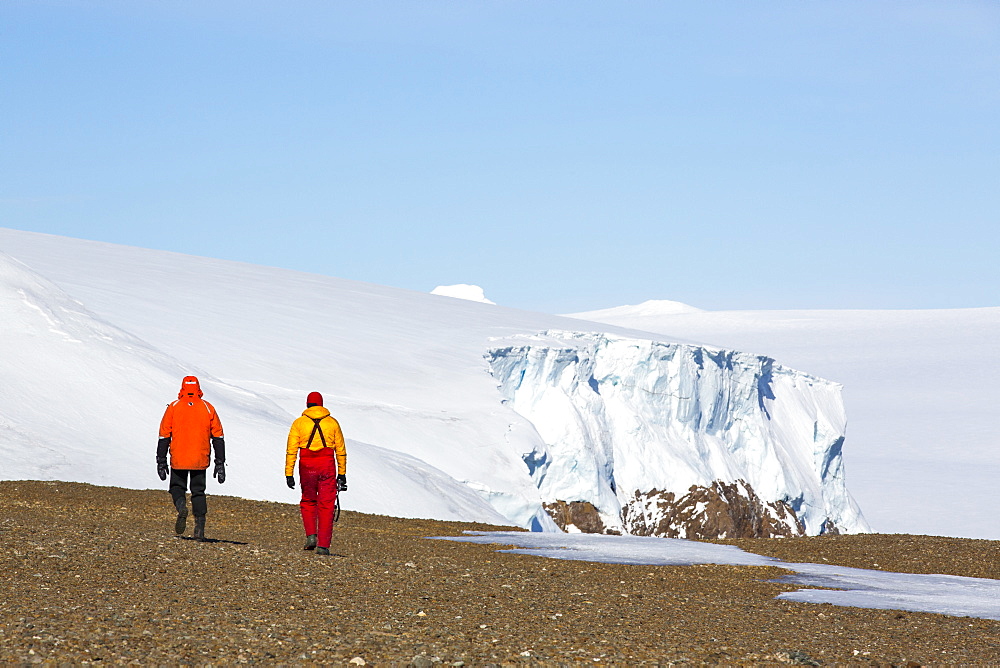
[{"x": 317, "y": 441}]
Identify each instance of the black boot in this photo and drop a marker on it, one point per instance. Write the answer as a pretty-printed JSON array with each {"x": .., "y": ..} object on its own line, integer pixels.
[
  {"x": 325, "y": 551},
  {"x": 182, "y": 515},
  {"x": 310, "y": 542},
  {"x": 199, "y": 528}
]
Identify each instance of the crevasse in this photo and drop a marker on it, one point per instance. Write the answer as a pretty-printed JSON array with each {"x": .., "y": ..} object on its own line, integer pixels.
[{"x": 616, "y": 416}]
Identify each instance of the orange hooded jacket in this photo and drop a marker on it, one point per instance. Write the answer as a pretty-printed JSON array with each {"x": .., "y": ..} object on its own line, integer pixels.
[
  {"x": 298, "y": 437},
  {"x": 190, "y": 423}
]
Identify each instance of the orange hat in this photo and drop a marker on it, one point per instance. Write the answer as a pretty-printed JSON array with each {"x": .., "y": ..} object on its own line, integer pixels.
[
  {"x": 189, "y": 386},
  {"x": 314, "y": 399}
]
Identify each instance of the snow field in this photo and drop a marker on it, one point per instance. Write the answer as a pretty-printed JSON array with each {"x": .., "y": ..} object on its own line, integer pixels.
[{"x": 408, "y": 376}]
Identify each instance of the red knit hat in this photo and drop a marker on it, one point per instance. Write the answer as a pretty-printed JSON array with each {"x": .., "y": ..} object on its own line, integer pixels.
[{"x": 314, "y": 398}]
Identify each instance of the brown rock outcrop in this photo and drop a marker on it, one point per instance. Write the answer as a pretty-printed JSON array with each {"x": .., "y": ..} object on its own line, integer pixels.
[
  {"x": 724, "y": 510},
  {"x": 580, "y": 514}
]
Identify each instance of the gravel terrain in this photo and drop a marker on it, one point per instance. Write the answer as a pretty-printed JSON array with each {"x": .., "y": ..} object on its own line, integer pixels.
[{"x": 95, "y": 574}]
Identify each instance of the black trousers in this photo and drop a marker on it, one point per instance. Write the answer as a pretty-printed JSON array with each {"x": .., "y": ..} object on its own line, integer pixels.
[{"x": 179, "y": 484}]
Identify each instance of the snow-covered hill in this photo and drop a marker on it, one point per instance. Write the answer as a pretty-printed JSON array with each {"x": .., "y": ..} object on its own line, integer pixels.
[
  {"x": 442, "y": 400},
  {"x": 79, "y": 394},
  {"x": 652, "y": 308},
  {"x": 922, "y": 393}
]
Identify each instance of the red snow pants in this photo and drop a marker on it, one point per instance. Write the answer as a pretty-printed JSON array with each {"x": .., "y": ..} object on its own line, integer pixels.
[{"x": 318, "y": 479}]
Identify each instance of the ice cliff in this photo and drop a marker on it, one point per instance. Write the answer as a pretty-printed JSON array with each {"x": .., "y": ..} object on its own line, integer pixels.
[{"x": 643, "y": 437}]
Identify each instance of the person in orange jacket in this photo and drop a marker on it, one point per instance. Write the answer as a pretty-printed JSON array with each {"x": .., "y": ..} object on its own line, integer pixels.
[
  {"x": 189, "y": 429},
  {"x": 316, "y": 440}
]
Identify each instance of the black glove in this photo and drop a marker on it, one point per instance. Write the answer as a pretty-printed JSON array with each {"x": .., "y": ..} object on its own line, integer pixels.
[
  {"x": 290, "y": 481},
  {"x": 219, "y": 444},
  {"x": 341, "y": 483},
  {"x": 161, "y": 468},
  {"x": 220, "y": 472}
]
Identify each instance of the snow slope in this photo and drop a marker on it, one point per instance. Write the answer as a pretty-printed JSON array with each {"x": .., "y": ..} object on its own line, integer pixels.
[
  {"x": 80, "y": 401},
  {"x": 407, "y": 374},
  {"x": 922, "y": 393}
]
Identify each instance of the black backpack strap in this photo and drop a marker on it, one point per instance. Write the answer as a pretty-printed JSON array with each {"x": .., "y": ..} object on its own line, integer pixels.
[{"x": 316, "y": 428}]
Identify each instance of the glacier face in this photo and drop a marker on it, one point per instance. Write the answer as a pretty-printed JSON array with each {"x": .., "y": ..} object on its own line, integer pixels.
[{"x": 618, "y": 418}]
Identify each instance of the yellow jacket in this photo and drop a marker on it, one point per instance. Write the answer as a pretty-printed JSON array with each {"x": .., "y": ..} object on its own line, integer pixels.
[{"x": 298, "y": 437}]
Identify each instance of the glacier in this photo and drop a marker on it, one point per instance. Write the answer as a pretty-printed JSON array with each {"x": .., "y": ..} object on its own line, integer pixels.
[
  {"x": 919, "y": 387},
  {"x": 620, "y": 417}
]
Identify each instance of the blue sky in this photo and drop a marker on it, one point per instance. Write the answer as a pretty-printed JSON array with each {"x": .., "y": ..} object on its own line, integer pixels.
[{"x": 563, "y": 155}]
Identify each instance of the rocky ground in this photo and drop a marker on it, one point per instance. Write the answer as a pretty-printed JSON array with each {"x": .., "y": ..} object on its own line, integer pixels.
[{"x": 94, "y": 574}]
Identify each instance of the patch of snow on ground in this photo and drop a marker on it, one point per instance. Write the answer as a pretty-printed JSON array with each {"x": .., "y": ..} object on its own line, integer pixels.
[{"x": 854, "y": 587}]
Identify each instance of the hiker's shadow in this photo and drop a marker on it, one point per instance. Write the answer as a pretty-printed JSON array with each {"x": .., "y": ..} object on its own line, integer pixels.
[{"x": 212, "y": 540}]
